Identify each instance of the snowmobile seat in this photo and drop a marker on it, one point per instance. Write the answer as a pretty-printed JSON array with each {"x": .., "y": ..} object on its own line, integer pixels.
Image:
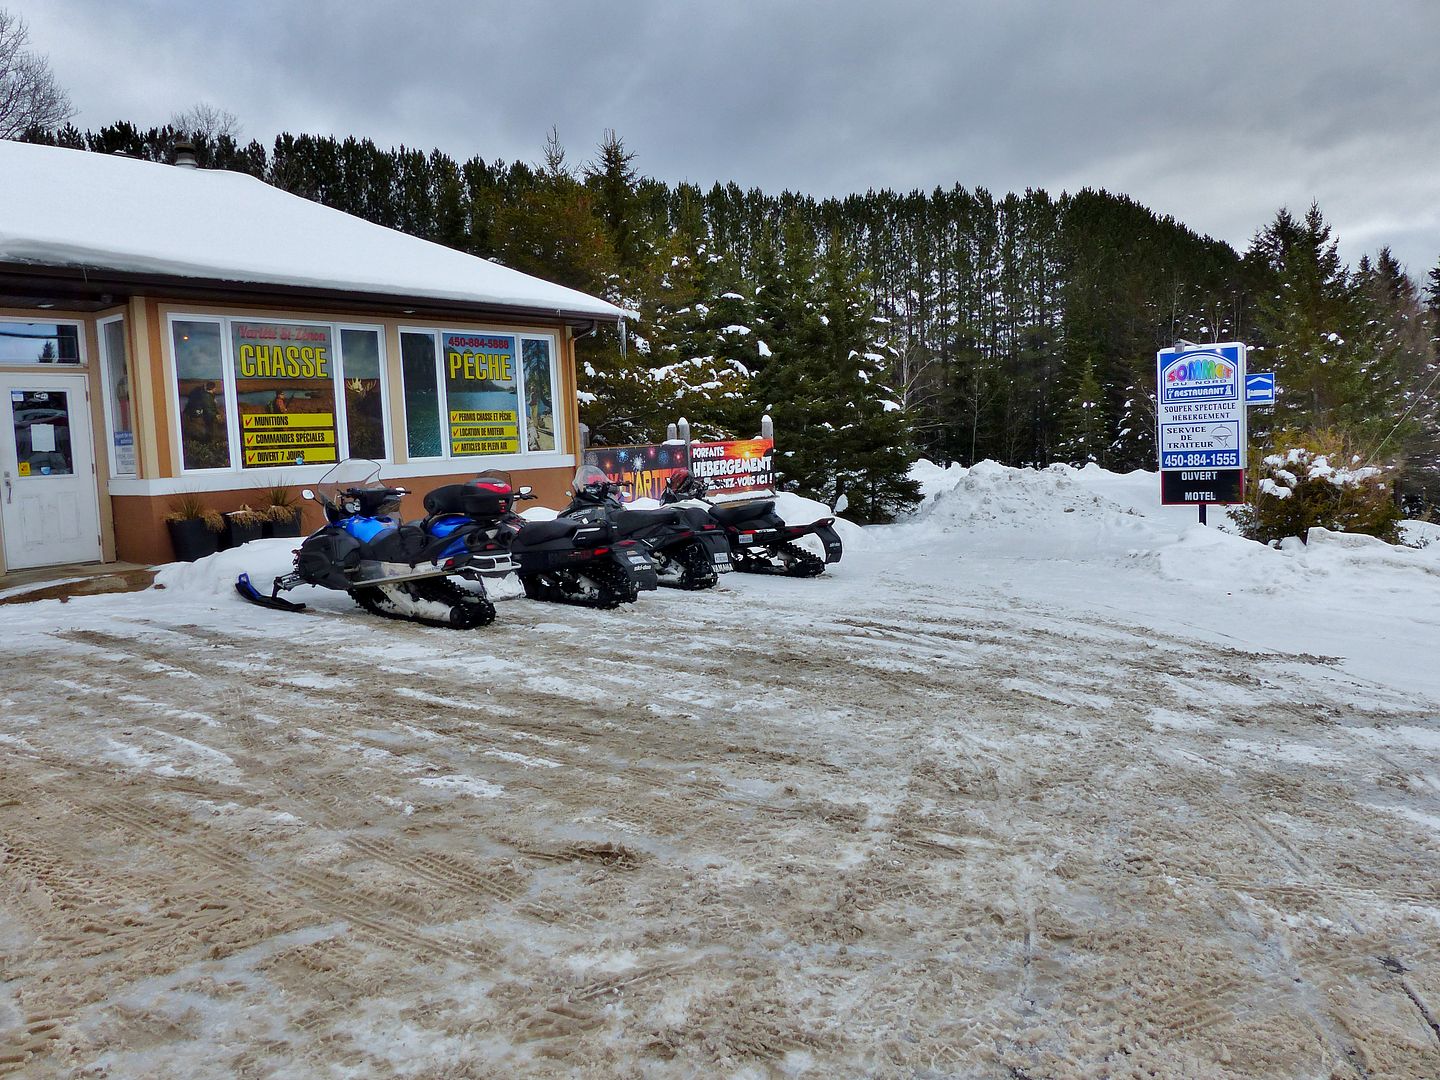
[
  {"x": 739, "y": 513},
  {"x": 540, "y": 532},
  {"x": 631, "y": 522}
]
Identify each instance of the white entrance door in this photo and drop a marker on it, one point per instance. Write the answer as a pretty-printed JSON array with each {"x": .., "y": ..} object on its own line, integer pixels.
[{"x": 49, "y": 513}]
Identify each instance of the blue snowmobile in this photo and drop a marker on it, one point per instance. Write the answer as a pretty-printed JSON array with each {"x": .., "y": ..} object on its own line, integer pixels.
[{"x": 389, "y": 568}]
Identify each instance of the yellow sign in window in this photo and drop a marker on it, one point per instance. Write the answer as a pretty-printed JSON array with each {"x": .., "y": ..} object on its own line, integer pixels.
[
  {"x": 308, "y": 455},
  {"x": 286, "y": 421}
]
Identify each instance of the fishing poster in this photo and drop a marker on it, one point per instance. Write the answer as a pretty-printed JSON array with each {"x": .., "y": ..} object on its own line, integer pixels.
[{"x": 481, "y": 393}]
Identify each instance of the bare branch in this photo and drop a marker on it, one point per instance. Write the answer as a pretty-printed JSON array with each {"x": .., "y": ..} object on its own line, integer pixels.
[
  {"x": 29, "y": 95},
  {"x": 206, "y": 123}
]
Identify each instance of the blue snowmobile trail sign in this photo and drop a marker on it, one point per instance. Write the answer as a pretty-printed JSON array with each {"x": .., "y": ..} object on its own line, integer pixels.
[{"x": 1260, "y": 388}]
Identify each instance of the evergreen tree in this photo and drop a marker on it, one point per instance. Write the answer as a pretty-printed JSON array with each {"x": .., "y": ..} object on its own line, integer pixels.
[
  {"x": 1432, "y": 307},
  {"x": 613, "y": 178},
  {"x": 839, "y": 429},
  {"x": 1334, "y": 360},
  {"x": 1083, "y": 438}
]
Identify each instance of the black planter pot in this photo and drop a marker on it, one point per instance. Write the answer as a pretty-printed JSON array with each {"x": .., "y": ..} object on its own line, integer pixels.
[
  {"x": 192, "y": 539},
  {"x": 237, "y": 534},
  {"x": 284, "y": 528}
]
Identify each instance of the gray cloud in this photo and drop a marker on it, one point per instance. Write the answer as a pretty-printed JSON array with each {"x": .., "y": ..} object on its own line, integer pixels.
[{"x": 1217, "y": 113}]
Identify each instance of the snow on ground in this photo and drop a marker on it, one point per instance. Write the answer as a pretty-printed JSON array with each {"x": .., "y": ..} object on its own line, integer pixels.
[{"x": 1046, "y": 782}]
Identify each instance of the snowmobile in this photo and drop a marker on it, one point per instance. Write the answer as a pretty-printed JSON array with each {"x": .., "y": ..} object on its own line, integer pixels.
[
  {"x": 565, "y": 560},
  {"x": 690, "y": 550},
  {"x": 760, "y": 541},
  {"x": 390, "y": 569}
]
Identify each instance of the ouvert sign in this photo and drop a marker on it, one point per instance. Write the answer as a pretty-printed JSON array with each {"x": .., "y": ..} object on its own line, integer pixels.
[{"x": 1200, "y": 393}]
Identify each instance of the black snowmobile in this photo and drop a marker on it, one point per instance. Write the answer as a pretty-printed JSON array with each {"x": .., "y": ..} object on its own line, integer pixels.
[
  {"x": 565, "y": 560},
  {"x": 390, "y": 569},
  {"x": 760, "y": 541},
  {"x": 690, "y": 550}
]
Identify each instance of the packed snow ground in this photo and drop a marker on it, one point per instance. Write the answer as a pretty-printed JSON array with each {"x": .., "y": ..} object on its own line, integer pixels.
[{"x": 1048, "y": 782}]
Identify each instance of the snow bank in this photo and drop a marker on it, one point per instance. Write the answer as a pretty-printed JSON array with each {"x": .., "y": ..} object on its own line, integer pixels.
[
  {"x": 934, "y": 479},
  {"x": 1091, "y": 515},
  {"x": 214, "y": 575},
  {"x": 797, "y": 510},
  {"x": 1029, "y": 513},
  {"x": 1419, "y": 533}
]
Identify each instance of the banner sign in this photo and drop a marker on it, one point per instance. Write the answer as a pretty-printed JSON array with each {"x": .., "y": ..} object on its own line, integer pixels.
[
  {"x": 1202, "y": 431},
  {"x": 285, "y": 384},
  {"x": 735, "y": 466},
  {"x": 645, "y": 468},
  {"x": 482, "y": 393}
]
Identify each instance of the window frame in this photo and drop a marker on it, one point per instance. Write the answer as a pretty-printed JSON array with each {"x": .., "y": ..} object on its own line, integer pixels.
[
  {"x": 232, "y": 418},
  {"x": 434, "y": 336},
  {"x": 343, "y": 419},
  {"x": 555, "y": 399},
  {"x": 436, "y": 333},
  {"x": 105, "y": 366},
  {"x": 25, "y": 365},
  {"x": 172, "y": 373}
]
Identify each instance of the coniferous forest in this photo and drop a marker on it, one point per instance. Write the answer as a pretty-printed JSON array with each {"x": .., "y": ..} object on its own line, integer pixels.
[{"x": 954, "y": 323}]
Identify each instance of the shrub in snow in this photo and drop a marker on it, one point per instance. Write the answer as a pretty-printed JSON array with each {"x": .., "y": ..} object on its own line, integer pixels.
[{"x": 1319, "y": 481}]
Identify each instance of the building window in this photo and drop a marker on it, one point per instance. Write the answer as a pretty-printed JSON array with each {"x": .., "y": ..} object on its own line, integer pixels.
[
  {"x": 471, "y": 393},
  {"x": 285, "y": 393},
  {"x": 42, "y": 432},
  {"x": 539, "y": 394},
  {"x": 116, "y": 377},
  {"x": 264, "y": 394},
  {"x": 481, "y": 393},
  {"x": 200, "y": 383},
  {"x": 364, "y": 393},
  {"x": 422, "y": 399},
  {"x": 39, "y": 343}
]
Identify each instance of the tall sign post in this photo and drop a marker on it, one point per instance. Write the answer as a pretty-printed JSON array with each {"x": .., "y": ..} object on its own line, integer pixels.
[{"x": 1202, "y": 435}]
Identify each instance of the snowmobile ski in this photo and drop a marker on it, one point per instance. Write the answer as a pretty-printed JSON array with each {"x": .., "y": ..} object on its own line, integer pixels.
[{"x": 275, "y": 602}]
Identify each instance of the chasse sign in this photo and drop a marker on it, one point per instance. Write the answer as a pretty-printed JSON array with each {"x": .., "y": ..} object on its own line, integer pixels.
[{"x": 285, "y": 383}]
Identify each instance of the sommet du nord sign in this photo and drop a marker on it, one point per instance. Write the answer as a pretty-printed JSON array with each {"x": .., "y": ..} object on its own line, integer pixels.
[
  {"x": 1201, "y": 423},
  {"x": 1208, "y": 377}
]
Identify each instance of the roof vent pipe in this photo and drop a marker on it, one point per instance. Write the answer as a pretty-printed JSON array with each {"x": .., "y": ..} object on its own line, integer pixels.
[{"x": 185, "y": 155}]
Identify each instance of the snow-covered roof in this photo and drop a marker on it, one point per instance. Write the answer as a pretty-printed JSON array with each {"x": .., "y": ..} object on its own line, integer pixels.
[{"x": 72, "y": 208}]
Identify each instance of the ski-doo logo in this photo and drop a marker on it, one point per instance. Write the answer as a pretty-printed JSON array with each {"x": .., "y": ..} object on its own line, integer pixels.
[{"x": 1200, "y": 376}]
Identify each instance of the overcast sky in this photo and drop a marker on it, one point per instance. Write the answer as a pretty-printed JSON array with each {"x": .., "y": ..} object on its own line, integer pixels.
[{"x": 1215, "y": 111}]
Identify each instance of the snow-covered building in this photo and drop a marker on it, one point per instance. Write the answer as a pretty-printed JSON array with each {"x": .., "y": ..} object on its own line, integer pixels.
[{"x": 168, "y": 330}]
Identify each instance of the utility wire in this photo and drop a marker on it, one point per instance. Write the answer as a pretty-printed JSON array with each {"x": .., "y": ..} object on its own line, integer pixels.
[{"x": 1371, "y": 455}]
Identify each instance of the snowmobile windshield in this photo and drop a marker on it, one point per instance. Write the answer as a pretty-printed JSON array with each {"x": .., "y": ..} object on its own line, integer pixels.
[
  {"x": 589, "y": 476},
  {"x": 350, "y": 473}
]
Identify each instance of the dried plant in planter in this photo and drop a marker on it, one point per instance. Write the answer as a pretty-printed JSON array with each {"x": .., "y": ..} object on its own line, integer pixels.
[
  {"x": 188, "y": 506},
  {"x": 194, "y": 527},
  {"x": 281, "y": 504},
  {"x": 245, "y": 517},
  {"x": 281, "y": 510}
]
